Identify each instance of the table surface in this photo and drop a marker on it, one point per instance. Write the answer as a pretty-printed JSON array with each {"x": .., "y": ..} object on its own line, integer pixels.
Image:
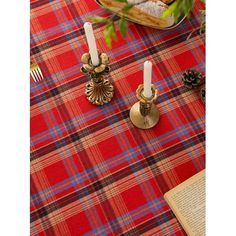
[{"x": 92, "y": 171}]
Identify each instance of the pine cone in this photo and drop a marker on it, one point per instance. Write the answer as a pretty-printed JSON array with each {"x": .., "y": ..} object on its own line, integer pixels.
[
  {"x": 192, "y": 79},
  {"x": 203, "y": 93}
]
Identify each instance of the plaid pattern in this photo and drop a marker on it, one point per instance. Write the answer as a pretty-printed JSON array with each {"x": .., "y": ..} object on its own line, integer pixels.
[{"x": 92, "y": 171}]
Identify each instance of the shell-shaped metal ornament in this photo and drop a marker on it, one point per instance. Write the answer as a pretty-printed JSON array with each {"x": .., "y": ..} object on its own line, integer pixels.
[
  {"x": 85, "y": 58},
  {"x": 95, "y": 71},
  {"x": 100, "y": 68},
  {"x": 88, "y": 67},
  {"x": 104, "y": 58}
]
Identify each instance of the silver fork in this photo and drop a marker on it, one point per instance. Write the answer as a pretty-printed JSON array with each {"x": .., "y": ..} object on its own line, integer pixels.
[{"x": 35, "y": 72}]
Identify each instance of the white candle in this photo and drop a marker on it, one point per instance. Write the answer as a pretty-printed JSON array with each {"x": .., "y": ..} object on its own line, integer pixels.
[
  {"x": 91, "y": 43},
  {"x": 147, "y": 79}
]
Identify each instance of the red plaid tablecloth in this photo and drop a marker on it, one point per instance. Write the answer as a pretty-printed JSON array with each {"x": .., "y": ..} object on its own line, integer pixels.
[{"x": 92, "y": 171}]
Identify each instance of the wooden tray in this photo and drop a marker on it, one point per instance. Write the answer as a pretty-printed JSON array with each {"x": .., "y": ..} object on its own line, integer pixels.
[{"x": 152, "y": 22}]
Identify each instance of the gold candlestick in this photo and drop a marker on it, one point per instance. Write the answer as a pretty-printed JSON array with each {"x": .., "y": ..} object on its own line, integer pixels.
[
  {"x": 99, "y": 90},
  {"x": 144, "y": 114}
]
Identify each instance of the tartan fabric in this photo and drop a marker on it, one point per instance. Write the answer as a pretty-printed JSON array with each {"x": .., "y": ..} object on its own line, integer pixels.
[{"x": 92, "y": 171}]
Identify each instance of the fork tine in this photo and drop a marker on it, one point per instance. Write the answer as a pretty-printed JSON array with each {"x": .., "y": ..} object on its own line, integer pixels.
[
  {"x": 38, "y": 74},
  {"x": 33, "y": 76}
]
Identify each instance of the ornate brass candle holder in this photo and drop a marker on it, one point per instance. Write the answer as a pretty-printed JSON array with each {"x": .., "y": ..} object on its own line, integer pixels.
[
  {"x": 99, "y": 90},
  {"x": 144, "y": 114}
]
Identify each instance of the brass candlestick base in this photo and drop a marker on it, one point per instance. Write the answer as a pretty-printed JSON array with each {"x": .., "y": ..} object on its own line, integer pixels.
[
  {"x": 99, "y": 90},
  {"x": 144, "y": 114},
  {"x": 99, "y": 93}
]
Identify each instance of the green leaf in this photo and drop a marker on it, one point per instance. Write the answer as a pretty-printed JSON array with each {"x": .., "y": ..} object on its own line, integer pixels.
[
  {"x": 186, "y": 7},
  {"x": 110, "y": 33},
  {"x": 177, "y": 8},
  {"x": 127, "y": 7},
  {"x": 123, "y": 26},
  {"x": 169, "y": 11},
  {"x": 107, "y": 36},
  {"x": 121, "y": 1},
  {"x": 203, "y": 1},
  {"x": 188, "y": 4},
  {"x": 98, "y": 19},
  {"x": 106, "y": 8},
  {"x": 113, "y": 31}
]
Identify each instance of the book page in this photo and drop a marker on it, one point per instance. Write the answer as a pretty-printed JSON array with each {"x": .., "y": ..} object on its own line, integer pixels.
[{"x": 187, "y": 201}]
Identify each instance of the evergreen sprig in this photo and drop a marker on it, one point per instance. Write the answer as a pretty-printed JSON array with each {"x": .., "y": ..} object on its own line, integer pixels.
[
  {"x": 177, "y": 9},
  {"x": 110, "y": 31}
]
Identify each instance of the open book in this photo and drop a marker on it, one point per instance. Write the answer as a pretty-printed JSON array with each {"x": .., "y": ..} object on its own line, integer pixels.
[{"x": 187, "y": 201}]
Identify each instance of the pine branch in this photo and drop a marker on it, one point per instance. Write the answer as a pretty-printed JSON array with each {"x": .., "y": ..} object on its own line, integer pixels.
[{"x": 177, "y": 9}]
